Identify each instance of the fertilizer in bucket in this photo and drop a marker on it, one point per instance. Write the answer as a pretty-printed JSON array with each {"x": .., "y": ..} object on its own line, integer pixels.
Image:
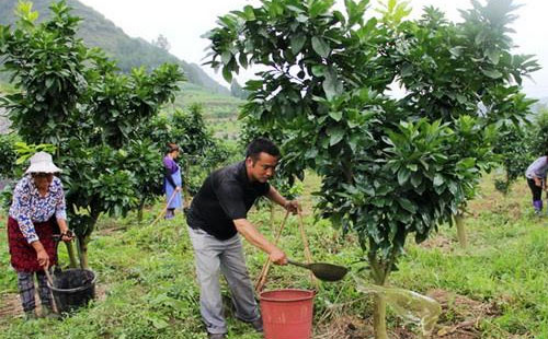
[
  {"x": 287, "y": 314},
  {"x": 73, "y": 288}
]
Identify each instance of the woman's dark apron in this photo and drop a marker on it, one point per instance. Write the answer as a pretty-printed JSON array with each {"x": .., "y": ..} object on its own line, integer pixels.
[{"x": 23, "y": 255}]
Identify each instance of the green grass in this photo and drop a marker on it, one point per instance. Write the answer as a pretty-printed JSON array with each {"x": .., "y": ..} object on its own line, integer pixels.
[
  {"x": 225, "y": 129},
  {"x": 147, "y": 287},
  {"x": 5, "y": 87},
  {"x": 216, "y": 106}
]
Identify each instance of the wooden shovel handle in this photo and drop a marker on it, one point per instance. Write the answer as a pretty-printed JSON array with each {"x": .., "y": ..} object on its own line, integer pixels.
[
  {"x": 50, "y": 280},
  {"x": 266, "y": 267},
  {"x": 307, "y": 252}
]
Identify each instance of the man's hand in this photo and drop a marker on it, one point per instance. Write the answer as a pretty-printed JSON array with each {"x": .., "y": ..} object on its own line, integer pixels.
[
  {"x": 178, "y": 188},
  {"x": 292, "y": 206},
  {"x": 278, "y": 257}
]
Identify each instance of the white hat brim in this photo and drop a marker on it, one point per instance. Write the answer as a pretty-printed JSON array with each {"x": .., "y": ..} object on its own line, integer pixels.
[{"x": 43, "y": 168}]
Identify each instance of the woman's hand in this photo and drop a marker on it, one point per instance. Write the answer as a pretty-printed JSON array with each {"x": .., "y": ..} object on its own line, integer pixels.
[
  {"x": 43, "y": 258},
  {"x": 41, "y": 254},
  {"x": 67, "y": 236}
]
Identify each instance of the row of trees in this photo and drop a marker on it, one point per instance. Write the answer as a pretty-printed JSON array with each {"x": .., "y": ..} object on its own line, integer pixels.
[
  {"x": 390, "y": 168},
  {"x": 97, "y": 119},
  {"x": 518, "y": 146}
]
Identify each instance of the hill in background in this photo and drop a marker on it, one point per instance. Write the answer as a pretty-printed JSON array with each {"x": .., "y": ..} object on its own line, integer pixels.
[{"x": 97, "y": 31}]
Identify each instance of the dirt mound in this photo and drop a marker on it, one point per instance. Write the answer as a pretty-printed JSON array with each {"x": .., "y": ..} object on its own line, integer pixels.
[
  {"x": 465, "y": 314},
  {"x": 460, "y": 319}
]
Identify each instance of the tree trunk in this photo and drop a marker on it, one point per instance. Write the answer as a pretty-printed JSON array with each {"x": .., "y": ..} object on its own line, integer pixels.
[
  {"x": 186, "y": 192},
  {"x": 379, "y": 272},
  {"x": 83, "y": 245},
  {"x": 379, "y": 317},
  {"x": 83, "y": 240},
  {"x": 140, "y": 211},
  {"x": 461, "y": 230},
  {"x": 71, "y": 254}
]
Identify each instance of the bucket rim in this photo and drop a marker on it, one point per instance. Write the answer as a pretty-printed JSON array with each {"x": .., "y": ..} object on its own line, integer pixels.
[
  {"x": 309, "y": 295},
  {"x": 75, "y": 289}
]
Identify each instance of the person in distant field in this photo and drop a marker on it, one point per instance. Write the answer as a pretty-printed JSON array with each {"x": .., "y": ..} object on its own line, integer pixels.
[
  {"x": 216, "y": 219},
  {"x": 172, "y": 180},
  {"x": 536, "y": 179},
  {"x": 38, "y": 211}
]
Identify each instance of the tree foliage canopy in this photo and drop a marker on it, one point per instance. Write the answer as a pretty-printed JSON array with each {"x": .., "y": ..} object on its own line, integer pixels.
[
  {"x": 74, "y": 98},
  {"x": 389, "y": 167}
]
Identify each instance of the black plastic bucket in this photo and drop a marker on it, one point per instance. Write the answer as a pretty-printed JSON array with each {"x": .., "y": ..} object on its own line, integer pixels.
[{"x": 73, "y": 288}]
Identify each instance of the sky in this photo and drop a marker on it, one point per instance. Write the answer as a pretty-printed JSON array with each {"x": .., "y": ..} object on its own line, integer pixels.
[{"x": 184, "y": 22}]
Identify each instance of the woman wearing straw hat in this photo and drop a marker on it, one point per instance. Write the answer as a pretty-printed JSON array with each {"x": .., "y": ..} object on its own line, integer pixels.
[{"x": 38, "y": 211}]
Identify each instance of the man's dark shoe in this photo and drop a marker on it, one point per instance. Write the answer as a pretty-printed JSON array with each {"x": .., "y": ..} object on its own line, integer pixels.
[
  {"x": 257, "y": 324},
  {"x": 216, "y": 336}
]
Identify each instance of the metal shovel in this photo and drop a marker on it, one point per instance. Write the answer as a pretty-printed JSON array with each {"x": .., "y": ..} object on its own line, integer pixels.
[{"x": 323, "y": 271}]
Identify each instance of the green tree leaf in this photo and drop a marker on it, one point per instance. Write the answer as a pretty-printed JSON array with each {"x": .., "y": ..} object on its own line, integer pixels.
[
  {"x": 332, "y": 84},
  {"x": 297, "y": 43},
  {"x": 492, "y": 73},
  {"x": 320, "y": 46}
]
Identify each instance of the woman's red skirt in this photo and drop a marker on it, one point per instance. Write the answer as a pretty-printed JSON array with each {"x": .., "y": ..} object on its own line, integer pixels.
[{"x": 23, "y": 255}]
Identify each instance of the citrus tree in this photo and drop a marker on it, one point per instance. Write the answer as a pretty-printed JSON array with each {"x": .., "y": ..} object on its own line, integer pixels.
[
  {"x": 200, "y": 150},
  {"x": 74, "y": 98},
  {"x": 453, "y": 69},
  {"x": 390, "y": 168},
  {"x": 538, "y": 143},
  {"x": 8, "y": 155},
  {"x": 7, "y": 167},
  {"x": 514, "y": 149}
]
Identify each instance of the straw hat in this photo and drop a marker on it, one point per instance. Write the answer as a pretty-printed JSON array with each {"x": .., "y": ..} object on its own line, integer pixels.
[{"x": 42, "y": 162}]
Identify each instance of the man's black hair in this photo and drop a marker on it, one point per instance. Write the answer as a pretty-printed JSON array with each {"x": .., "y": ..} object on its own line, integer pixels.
[{"x": 261, "y": 145}]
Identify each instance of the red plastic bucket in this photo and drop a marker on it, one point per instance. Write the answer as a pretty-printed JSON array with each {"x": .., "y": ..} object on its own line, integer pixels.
[{"x": 287, "y": 314}]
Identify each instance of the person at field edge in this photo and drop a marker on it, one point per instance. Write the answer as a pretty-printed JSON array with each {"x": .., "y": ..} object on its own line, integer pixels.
[
  {"x": 536, "y": 179},
  {"x": 38, "y": 211},
  {"x": 172, "y": 180},
  {"x": 216, "y": 219}
]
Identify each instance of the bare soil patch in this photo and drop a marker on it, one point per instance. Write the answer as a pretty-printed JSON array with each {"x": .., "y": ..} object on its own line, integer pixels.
[
  {"x": 460, "y": 319},
  {"x": 10, "y": 303},
  {"x": 440, "y": 242}
]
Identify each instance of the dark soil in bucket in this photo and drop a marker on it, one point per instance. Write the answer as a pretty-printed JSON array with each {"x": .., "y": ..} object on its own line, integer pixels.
[
  {"x": 73, "y": 288},
  {"x": 71, "y": 279}
]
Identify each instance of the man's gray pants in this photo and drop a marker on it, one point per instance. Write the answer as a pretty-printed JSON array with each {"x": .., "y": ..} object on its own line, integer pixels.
[{"x": 213, "y": 256}]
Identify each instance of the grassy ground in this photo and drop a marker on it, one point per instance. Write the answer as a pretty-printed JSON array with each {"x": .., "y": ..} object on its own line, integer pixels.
[
  {"x": 216, "y": 106},
  {"x": 496, "y": 288}
]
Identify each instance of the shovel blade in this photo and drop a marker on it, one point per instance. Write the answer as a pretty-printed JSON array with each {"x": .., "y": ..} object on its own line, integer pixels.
[{"x": 328, "y": 272}]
